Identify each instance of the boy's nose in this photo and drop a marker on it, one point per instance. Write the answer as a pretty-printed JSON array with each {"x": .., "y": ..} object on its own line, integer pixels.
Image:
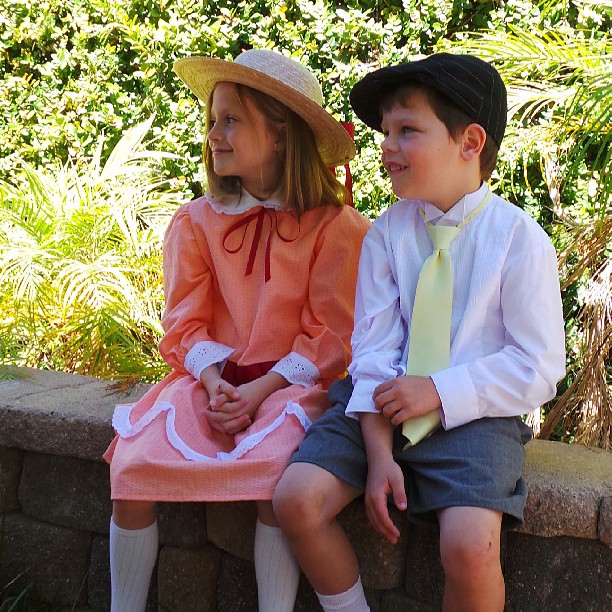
[{"x": 389, "y": 144}]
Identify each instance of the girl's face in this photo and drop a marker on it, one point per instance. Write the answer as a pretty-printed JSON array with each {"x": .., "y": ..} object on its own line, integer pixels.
[{"x": 243, "y": 143}]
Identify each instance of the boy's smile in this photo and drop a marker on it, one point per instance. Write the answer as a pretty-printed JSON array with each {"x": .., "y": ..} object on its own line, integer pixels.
[{"x": 422, "y": 159}]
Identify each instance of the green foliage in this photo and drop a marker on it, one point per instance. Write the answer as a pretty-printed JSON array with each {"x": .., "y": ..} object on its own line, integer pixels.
[
  {"x": 80, "y": 261},
  {"x": 76, "y": 74}
]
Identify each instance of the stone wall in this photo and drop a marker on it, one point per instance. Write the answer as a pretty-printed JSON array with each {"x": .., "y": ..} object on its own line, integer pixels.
[{"x": 55, "y": 509}]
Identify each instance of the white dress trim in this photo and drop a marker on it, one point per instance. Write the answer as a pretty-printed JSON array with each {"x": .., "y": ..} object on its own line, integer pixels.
[
  {"x": 243, "y": 203},
  {"x": 122, "y": 425},
  {"x": 297, "y": 370},
  {"x": 203, "y": 354}
]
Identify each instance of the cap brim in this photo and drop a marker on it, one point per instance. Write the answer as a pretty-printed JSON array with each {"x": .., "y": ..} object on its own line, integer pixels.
[
  {"x": 201, "y": 74},
  {"x": 367, "y": 94}
]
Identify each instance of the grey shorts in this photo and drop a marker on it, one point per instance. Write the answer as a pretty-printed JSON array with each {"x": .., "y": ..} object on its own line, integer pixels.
[{"x": 478, "y": 464}]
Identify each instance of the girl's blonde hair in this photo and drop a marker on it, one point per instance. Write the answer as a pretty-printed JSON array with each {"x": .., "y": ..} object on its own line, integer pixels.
[{"x": 305, "y": 180}]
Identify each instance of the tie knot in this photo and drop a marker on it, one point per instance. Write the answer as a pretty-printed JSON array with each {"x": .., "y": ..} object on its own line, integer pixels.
[{"x": 442, "y": 236}]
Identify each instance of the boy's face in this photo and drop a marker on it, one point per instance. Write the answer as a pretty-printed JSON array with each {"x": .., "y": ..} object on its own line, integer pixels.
[{"x": 419, "y": 154}]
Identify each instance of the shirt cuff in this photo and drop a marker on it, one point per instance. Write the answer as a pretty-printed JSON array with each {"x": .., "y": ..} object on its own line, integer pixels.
[
  {"x": 458, "y": 395},
  {"x": 361, "y": 399},
  {"x": 297, "y": 370},
  {"x": 203, "y": 354}
]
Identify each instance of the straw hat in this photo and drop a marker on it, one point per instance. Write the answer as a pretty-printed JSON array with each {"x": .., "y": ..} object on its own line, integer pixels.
[{"x": 280, "y": 77}]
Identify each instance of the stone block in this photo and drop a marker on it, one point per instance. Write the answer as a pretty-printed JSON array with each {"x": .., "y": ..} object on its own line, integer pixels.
[
  {"x": 567, "y": 483},
  {"x": 604, "y": 526},
  {"x": 10, "y": 474},
  {"x": 231, "y": 527},
  {"x": 60, "y": 414},
  {"x": 187, "y": 578},
  {"x": 382, "y": 565},
  {"x": 99, "y": 585},
  {"x": 55, "y": 559},
  {"x": 424, "y": 573},
  {"x": 557, "y": 574},
  {"x": 66, "y": 491},
  {"x": 397, "y": 600},
  {"x": 182, "y": 524},
  {"x": 237, "y": 586}
]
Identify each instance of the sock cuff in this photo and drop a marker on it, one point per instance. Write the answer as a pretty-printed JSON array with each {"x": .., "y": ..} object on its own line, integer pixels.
[
  {"x": 133, "y": 533},
  {"x": 342, "y": 600}
]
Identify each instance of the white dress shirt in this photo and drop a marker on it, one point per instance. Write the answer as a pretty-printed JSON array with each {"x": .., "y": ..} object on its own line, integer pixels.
[{"x": 507, "y": 330}]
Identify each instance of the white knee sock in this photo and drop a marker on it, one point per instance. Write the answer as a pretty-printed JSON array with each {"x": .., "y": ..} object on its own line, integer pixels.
[
  {"x": 277, "y": 571},
  {"x": 132, "y": 556},
  {"x": 352, "y": 600}
]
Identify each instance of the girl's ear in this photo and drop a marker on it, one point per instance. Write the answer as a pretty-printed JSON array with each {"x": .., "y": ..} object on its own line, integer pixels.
[
  {"x": 472, "y": 141},
  {"x": 280, "y": 144}
]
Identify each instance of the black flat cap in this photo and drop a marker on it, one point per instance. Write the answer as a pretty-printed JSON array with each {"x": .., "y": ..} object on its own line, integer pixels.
[{"x": 472, "y": 84}]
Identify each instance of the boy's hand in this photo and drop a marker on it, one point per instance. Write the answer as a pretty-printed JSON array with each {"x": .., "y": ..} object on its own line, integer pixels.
[
  {"x": 384, "y": 477},
  {"x": 405, "y": 397}
]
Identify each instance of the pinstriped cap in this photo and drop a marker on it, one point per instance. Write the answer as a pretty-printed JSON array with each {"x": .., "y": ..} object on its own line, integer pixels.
[{"x": 472, "y": 84}]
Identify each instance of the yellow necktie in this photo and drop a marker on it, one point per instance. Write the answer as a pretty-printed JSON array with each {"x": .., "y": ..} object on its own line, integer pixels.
[{"x": 429, "y": 348}]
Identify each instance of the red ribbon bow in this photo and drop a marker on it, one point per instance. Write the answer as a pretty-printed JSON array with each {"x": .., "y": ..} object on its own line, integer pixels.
[{"x": 245, "y": 222}]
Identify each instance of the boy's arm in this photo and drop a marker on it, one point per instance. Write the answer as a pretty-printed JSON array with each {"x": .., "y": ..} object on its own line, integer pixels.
[
  {"x": 523, "y": 374},
  {"x": 384, "y": 474},
  {"x": 379, "y": 334}
]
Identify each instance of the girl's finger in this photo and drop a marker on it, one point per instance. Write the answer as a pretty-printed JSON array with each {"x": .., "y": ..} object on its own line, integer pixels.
[
  {"x": 231, "y": 407},
  {"x": 228, "y": 389},
  {"x": 238, "y": 424}
]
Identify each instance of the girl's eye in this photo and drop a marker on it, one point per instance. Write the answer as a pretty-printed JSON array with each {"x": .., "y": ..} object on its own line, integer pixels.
[{"x": 231, "y": 119}]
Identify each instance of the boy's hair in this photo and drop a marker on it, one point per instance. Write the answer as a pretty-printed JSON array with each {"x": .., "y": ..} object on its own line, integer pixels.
[
  {"x": 449, "y": 114},
  {"x": 305, "y": 180}
]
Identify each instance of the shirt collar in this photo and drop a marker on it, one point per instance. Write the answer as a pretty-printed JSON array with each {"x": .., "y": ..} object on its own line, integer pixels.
[
  {"x": 458, "y": 213},
  {"x": 238, "y": 204}
]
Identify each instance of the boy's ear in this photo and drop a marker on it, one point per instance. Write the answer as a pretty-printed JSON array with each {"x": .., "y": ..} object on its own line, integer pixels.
[{"x": 472, "y": 141}]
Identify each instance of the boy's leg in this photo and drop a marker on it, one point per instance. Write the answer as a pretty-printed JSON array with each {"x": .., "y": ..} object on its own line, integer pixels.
[
  {"x": 133, "y": 551},
  {"x": 470, "y": 553},
  {"x": 306, "y": 502},
  {"x": 276, "y": 568}
]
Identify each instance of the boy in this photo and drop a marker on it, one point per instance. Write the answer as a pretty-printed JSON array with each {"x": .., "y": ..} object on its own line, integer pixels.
[{"x": 443, "y": 119}]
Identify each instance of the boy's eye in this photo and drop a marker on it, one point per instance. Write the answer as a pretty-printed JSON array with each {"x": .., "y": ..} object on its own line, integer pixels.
[
  {"x": 406, "y": 129},
  {"x": 385, "y": 133}
]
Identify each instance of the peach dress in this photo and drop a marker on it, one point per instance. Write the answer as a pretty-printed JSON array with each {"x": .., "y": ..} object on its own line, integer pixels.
[{"x": 248, "y": 283}]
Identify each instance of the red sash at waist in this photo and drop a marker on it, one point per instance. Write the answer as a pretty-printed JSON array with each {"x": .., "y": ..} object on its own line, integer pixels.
[{"x": 239, "y": 375}]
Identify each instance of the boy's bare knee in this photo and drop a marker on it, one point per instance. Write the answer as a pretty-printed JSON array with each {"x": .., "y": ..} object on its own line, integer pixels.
[
  {"x": 469, "y": 559},
  {"x": 296, "y": 501}
]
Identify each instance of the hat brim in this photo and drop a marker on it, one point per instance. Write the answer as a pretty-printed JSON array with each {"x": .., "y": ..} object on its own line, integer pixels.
[{"x": 201, "y": 74}]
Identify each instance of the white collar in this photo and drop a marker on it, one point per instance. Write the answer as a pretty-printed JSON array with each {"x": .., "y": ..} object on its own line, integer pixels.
[
  {"x": 243, "y": 202},
  {"x": 458, "y": 213}
]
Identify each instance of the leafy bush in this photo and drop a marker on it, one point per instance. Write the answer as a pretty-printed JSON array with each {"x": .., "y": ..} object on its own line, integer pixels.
[{"x": 76, "y": 74}]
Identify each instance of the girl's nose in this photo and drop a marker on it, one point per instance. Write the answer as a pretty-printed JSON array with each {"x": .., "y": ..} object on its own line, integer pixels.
[{"x": 213, "y": 133}]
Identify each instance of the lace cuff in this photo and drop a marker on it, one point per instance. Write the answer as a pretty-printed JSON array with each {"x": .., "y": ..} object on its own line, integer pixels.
[
  {"x": 204, "y": 354},
  {"x": 297, "y": 370}
]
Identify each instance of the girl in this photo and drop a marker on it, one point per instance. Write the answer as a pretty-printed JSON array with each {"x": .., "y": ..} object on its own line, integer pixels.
[{"x": 259, "y": 280}]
